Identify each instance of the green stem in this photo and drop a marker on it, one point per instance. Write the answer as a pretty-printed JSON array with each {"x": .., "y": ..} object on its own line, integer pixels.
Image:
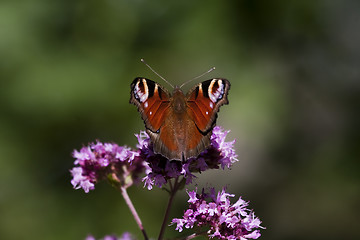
[{"x": 173, "y": 190}]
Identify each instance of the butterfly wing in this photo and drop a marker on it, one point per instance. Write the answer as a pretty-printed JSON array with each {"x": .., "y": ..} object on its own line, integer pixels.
[
  {"x": 204, "y": 101},
  {"x": 152, "y": 102}
]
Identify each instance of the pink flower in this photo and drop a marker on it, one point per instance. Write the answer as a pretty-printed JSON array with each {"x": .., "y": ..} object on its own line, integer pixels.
[
  {"x": 101, "y": 161},
  {"x": 226, "y": 220}
]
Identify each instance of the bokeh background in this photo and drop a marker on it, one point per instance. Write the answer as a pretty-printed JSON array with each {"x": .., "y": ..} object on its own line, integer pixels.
[{"x": 65, "y": 71}]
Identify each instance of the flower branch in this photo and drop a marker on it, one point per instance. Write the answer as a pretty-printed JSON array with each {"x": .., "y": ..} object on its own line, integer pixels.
[
  {"x": 133, "y": 211},
  {"x": 173, "y": 189},
  {"x": 123, "y": 167}
]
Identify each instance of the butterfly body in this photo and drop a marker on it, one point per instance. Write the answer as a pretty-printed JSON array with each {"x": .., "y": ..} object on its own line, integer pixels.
[{"x": 179, "y": 125}]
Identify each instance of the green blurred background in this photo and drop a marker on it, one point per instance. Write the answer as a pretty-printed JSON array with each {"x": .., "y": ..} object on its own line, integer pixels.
[{"x": 65, "y": 70}]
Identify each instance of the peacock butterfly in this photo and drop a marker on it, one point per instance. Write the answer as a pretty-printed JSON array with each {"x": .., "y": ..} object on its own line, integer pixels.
[{"x": 179, "y": 126}]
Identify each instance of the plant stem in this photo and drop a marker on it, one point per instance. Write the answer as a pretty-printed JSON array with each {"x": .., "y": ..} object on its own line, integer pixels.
[
  {"x": 194, "y": 235},
  {"x": 173, "y": 190},
  {"x": 133, "y": 211}
]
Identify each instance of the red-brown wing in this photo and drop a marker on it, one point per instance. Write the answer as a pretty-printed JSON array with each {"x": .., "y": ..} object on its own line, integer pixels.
[
  {"x": 204, "y": 101},
  {"x": 152, "y": 102}
]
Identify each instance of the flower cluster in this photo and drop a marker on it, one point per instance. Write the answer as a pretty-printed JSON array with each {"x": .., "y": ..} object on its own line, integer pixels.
[
  {"x": 124, "y": 236},
  {"x": 100, "y": 161},
  {"x": 160, "y": 169},
  {"x": 226, "y": 221}
]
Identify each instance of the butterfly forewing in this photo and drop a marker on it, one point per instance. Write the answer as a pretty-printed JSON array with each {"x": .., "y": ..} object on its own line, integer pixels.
[
  {"x": 204, "y": 101},
  {"x": 152, "y": 101}
]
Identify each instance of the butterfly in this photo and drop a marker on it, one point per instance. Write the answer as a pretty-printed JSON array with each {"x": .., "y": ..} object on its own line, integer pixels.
[{"x": 179, "y": 126}]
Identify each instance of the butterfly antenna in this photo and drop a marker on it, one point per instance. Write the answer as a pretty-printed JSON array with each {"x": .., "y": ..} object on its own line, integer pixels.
[
  {"x": 210, "y": 70},
  {"x": 143, "y": 61}
]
